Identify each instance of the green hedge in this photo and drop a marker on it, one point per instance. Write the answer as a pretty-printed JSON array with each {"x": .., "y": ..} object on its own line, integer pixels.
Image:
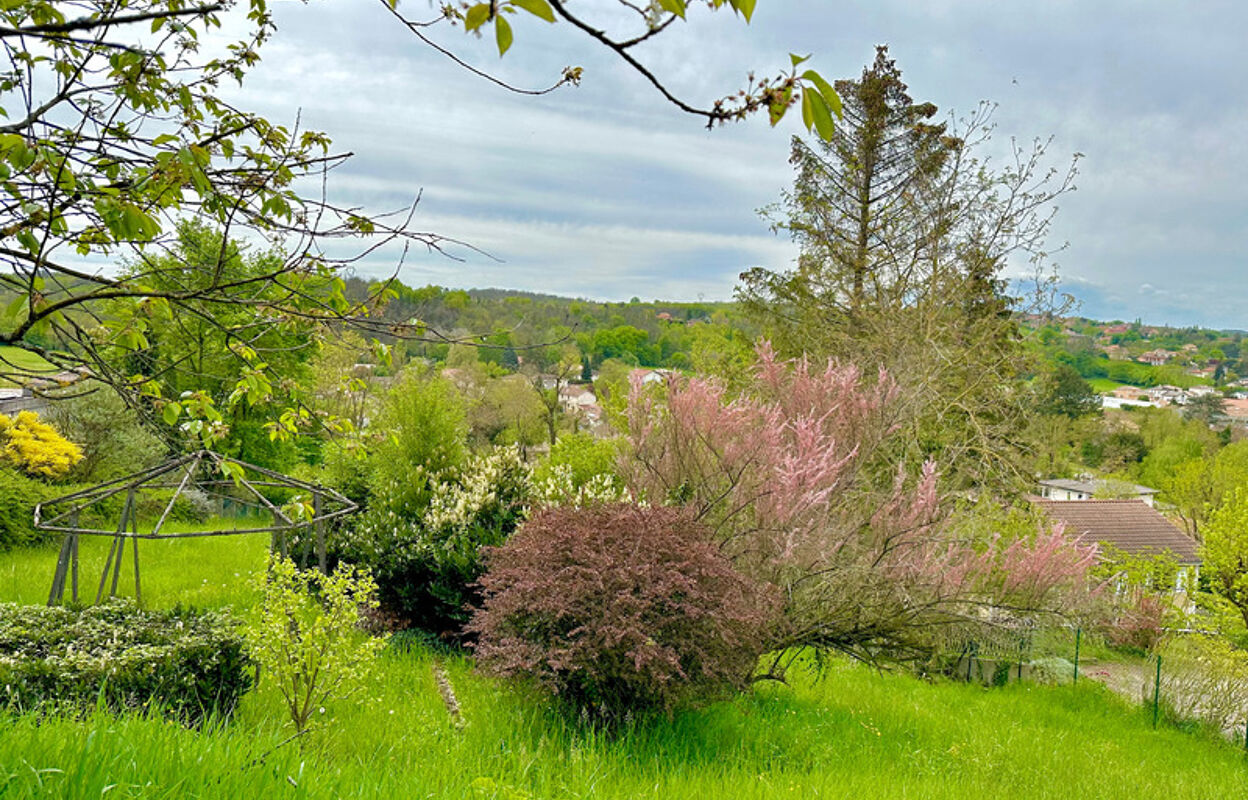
[
  {"x": 186, "y": 663},
  {"x": 18, "y": 496}
]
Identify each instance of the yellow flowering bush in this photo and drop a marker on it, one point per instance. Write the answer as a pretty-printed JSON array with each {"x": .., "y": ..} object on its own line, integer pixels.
[{"x": 35, "y": 447}]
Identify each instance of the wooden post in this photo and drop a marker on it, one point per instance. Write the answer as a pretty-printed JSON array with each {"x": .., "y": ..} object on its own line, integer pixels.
[
  {"x": 127, "y": 513},
  {"x": 108, "y": 563},
  {"x": 73, "y": 556},
  {"x": 121, "y": 551},
  {"x": 57, "y": 593},
  {"x": 134, "y": 547}
]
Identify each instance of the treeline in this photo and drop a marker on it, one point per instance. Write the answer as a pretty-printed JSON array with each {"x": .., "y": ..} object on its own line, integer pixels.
[{"x": 511, "y": 328}]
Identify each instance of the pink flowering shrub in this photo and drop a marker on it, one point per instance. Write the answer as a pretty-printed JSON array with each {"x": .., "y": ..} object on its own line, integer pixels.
[
  {"x": 784, "y": 476},
  {"x": 618, "y": 608}
]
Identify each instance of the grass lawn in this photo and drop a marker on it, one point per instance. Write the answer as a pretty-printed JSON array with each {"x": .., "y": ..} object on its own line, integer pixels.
[
  {"x": 1105, "y": 385},
  {"x": 204, "y": 572},
  {"x": 15, "y": 359},
  {"x": 851, "y": 733}
]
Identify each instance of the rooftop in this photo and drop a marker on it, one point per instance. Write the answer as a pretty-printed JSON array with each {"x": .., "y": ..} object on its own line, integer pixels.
[
  {"x": 1129, "y": 525},
  {"x": 1093, "y": 486}
]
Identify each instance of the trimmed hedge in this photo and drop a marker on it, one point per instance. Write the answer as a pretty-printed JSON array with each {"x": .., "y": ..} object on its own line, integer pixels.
[{"x": 185, "y": 663}]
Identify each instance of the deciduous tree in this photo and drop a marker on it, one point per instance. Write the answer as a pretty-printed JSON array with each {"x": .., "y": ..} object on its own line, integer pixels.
[{"x": 778, "y": 474}]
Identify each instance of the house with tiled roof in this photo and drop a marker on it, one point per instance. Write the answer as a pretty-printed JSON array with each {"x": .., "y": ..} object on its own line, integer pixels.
[{"x": 1130, "y": 526}]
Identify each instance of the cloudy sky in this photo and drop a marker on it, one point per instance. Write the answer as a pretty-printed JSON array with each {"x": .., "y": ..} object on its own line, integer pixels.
[{"x": 605, "y": 191}]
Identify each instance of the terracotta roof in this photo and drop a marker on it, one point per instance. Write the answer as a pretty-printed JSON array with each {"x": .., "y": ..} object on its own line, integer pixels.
[{"x": 1130, "y": 525}]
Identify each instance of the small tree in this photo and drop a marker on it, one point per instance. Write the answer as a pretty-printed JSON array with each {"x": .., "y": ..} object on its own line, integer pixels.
[
  {"x": 619, "y": 608},
  {"x": 1224, "y": 552},
  {"x": 306, "y": 638},
  {"x": 788, "y": 476}
]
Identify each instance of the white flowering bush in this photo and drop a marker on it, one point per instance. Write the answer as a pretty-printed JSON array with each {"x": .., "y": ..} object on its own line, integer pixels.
[
  {"x": 557, "y": 486},
  {"x": 426, "y": 556},
  {"x": 306, "y": 635}
]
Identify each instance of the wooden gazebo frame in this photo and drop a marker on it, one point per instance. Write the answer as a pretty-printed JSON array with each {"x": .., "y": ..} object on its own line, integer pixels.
[{"x": 204, "y": 471}]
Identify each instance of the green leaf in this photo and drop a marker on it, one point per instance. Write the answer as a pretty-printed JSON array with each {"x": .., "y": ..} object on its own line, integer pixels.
[
  {"x": 476, "y": 16},
  {"x": 808, "y": 113},
  {"x": 171, "y": 412},
  {"x": 830, "y": 97},
  {"x": 15, "y": 306},
  {"x": 778, "y": 107},
  {"x": 796, "y": 59},
  {"x": 819, "y": 111},
  {"x": 746, "y": 7},
  {"x": 28, "y": 241},
  {"x": 538, "y": 8},
  {"x": 676, "y": 7},
  {"x": 502, "y": 33}
]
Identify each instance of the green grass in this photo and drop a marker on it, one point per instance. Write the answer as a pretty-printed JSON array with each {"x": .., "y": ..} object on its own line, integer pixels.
[
  {"x": 204, "y": 572},
  {"x": 1105, "y": 385},
  {"x": 853, "y": 733},
  {"x": 15, "y": 359}
]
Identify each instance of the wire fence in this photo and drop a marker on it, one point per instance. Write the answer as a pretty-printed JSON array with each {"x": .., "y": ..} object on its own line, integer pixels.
[{"x": 1190, "y": 677}]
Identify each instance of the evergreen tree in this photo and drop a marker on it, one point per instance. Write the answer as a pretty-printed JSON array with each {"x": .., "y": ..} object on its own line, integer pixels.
[{"x": 904, "y": 235}]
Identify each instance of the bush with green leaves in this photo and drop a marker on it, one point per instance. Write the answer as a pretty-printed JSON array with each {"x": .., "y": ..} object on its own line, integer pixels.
[
  {"x": 109, "y": 432},
  {"x": 1205, "y": 678},
  {"x": 185, "y": 663},
  {"x": 426, "y": 557},
  {"x": 18, "y": 495},
  {"x": 306, "y": 635},
  {"x": 619, "y": 608},
  {"x": 579, "y": 470}
]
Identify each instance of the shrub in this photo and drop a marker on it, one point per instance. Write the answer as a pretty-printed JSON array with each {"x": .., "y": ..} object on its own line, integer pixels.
[
  {"x": 1138, "y": 624},
  {"x": 427, "y": 559},
  {"x": 580, "y": 470},
  {"x": 1204, "y": 678},
  {"x": 113, "y": 441},
  {"x": 35, "y": 447},
  {"x": 18, "y": 496},
  {"x": 619, "y": 608},
  {"x": 306, "y": 636},
  {"x": 188, "y": 664}
]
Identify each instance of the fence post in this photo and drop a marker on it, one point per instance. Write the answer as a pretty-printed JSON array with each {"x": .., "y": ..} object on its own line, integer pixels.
[
  {"x": 1157, "y": 691},
  {"x": 1078, "y": 638}
]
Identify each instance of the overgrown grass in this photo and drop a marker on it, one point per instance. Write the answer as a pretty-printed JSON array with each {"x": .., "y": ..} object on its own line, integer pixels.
[{"x": 853, "y": 733}]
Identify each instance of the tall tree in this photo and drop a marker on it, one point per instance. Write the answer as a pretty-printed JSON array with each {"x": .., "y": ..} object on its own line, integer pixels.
[{"x": 904, "y": 235}]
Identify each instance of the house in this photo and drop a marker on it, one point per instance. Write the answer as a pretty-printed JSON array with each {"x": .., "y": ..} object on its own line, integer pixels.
[
  {"x": 1156, "y": 358},
  {"x": 647, "y": 376},
  {"x": 1130, "y": 526},
  {"x": 577, "y": 395},
  {"x": 1166, "y": 395},
  {"x": 1236, "y": 408},
  {"x": 1064, "y": 490}
]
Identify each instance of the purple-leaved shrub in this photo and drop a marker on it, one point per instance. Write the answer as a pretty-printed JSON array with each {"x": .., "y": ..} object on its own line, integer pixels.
[{"x": 618, "y": 608}]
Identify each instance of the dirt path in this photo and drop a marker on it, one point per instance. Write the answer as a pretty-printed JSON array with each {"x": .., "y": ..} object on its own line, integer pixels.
[{"x": 1132, "y": 681}]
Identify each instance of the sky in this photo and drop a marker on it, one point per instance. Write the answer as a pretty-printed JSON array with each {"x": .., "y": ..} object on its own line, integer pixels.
[{"x": 606, "y": 191}]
